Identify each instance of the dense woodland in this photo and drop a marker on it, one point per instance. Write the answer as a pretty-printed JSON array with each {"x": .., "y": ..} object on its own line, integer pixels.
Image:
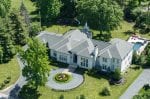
[{"x": 102, "y": 15}]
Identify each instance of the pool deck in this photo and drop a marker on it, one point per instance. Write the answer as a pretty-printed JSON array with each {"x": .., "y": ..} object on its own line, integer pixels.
[{"x": 144, "y": 41}]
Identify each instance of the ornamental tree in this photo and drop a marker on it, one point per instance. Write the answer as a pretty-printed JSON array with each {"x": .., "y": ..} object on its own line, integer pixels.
[{"x": 36, "y": 63}]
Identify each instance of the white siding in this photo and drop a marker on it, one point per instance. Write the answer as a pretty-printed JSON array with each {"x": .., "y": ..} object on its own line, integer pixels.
[
  {"x": 126, "y": 62},
  {"x": 112, "y": 65},
  {"x": 90, "y": 62},
  {"x": 102, "y": 63}
]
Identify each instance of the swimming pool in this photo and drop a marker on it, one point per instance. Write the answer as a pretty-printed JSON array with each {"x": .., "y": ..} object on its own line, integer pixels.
[{"x": 136, "y": 46}]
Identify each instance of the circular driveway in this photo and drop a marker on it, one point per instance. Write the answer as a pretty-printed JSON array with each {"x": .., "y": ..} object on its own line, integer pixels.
[{"x": 76, "y": 80}]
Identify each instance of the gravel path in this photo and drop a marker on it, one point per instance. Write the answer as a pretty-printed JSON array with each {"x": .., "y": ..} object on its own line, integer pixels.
[
  {"x": 135, "y": 87},
  {"x": 77, "y": 80}
]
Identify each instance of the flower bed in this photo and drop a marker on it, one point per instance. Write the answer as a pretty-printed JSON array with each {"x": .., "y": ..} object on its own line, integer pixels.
[{"x": 62, "y": 77}]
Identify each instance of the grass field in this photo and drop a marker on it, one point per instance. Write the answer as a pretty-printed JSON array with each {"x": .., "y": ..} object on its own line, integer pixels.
[
  {"x": 91, "y": 88},
  {"x": 11, "y": 69}
]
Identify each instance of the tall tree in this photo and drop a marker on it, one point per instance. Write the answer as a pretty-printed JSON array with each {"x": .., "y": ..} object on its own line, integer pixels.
[
  {"x": 49, "y": 10},
  {"x": 4, "y": 7},
  {"x": 1, "y": 54},
  {"x": 36, "y": 63},
  {"x": 6, "y": 42},
  {"x": 68, "y": 10},
  {"x": 18, "y": 28},
  {"x": 24, "y": 13},
  {"x": 104, "y": 15}
]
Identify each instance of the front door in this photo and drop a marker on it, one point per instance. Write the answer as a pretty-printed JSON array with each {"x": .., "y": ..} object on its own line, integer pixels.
[{"x": 74, "y": 58}]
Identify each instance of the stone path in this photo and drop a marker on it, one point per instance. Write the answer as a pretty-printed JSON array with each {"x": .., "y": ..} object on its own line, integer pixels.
[
  {"x": 135, "y": 87},
  {"x": 77, "y": 80}
]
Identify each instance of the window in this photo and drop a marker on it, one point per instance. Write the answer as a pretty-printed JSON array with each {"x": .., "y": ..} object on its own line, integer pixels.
[
  {"x": 54, "y": 54},
  {"x": 104, "y": 67},
  {"x": 105, "y": 60},
  {"x": 113, "y": 60},
  {"x": 118, "y": 61},
  {"x": 84, "y": 62},
  {"x": 113, "y": 67},
  {"x": 63, "y": 58}
]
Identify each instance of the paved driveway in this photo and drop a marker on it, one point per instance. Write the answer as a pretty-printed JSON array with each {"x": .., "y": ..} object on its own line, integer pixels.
[
  {"x": 76, "y": 80},
  {"x": 134, "y": 88}
]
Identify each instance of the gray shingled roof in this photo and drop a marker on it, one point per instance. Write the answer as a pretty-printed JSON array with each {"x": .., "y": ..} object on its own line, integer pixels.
[
  {"x": 119, "y": 49},
  {"x": 100, "y": 44},
  {"x": 77, "y": 42},
  {"x": 52, "y": 38}
]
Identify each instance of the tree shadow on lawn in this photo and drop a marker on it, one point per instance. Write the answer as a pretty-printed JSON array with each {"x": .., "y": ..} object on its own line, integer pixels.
[
  {"x": 99, "y": 74},
  {"x": 80, "y": 71},
  {"x": 93, "y": 73},
  {"x": 129, "y": 32}
]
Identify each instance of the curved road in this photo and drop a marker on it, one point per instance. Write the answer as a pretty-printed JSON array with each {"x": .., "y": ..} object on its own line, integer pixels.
[{"x": 134, "y": 88}]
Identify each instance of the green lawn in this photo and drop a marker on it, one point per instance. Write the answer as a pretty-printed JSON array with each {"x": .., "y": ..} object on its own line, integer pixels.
[
  {"x": 92, "y": 87},
  {"x": 11, "y": 69}
]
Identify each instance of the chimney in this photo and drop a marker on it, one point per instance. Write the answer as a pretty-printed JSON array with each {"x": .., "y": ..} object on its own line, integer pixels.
[{"x": 95, "y": 52}]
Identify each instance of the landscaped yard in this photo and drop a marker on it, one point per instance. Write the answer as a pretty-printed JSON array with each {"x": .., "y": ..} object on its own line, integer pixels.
[
  {"x": 10, "y": 69},
  {"x": 92, "y": 87}
]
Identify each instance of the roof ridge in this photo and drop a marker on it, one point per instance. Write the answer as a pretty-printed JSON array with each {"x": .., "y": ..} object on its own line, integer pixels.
[
  {"x": 103, "y": 50},
  {"x": 82, "y": 50},
  {"x": 78, "y": 44},
  {"x": 58, "y": 42}
]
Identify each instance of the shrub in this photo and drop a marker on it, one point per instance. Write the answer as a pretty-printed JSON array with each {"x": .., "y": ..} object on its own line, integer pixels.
[
  {"x": 9, "y": 77},
  {"x": 82, "y": 97},
  {"x": 6, "y": 81},
  {"x": 137, "y": 97},
  {"x": 2, "y": 85},
  {"x": 146, "y": 87},
  {"x": 61, "y": 97},
  {"x": 106, "y": 91},
  {"x": 62, "y": 77},
  {"x": 117, "y": 74}
]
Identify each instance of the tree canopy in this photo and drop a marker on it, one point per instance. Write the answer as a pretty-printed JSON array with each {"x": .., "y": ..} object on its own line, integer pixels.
[
  {"x": 49, "y": 10},
  {"x": 104, "y": 15},
  {"x": 36, "y": 63},
  {"x": 4, "y": 7}
]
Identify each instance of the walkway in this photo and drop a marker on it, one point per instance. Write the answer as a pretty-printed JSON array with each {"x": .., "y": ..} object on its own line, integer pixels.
[
  {"x": 77, "y": 80},
  {"x": 135, "y": 87}
]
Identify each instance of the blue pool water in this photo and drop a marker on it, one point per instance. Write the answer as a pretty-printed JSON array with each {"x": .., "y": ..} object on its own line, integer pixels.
[{"x": 137, "y": 46}]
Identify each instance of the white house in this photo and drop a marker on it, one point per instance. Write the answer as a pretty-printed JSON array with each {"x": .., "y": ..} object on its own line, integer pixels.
[{"x": 78, "y": 49}]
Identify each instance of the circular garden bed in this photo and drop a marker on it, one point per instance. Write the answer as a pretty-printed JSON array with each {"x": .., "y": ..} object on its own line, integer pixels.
[{"x": 62, "y": 77}]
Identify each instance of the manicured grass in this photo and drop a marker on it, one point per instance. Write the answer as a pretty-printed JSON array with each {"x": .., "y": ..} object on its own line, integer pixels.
[
  {"x": 123, "y": 32},
  {"x": 11, "y": 69},
  {"x": 91, "y": 88}
]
